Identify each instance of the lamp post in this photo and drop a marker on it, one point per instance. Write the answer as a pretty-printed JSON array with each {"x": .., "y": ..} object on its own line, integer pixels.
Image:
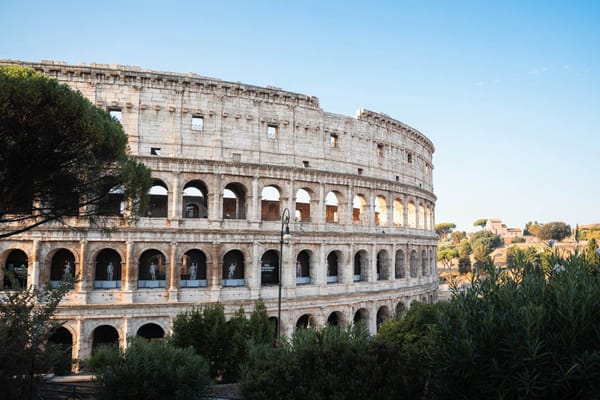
[{"x": 285, "y": 223}]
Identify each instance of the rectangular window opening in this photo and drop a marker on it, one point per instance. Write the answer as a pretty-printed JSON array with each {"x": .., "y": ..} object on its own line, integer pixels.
[
  {"x": 116, "y": 114},
  {"x": 333, "y": 140},
  {"x": 197, "y": 123},
  {"x": 306, "y": 164},
  {"x": 272, "y": 131},
  {"x": 379, "y": 150},
  {"x": 360, "y": 171},
  {"x": 409, "y": 157},
  {"x": 155, "y": 151}
]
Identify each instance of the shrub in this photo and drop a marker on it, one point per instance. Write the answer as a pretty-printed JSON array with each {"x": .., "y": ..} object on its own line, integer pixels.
[{"x": 150, "y": 370}]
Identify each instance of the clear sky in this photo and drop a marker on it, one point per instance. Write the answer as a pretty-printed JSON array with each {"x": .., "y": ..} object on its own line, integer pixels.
[{"x": 508, "y": 91}]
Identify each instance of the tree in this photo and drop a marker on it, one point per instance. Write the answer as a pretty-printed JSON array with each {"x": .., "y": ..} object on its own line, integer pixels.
[
  {"x": 445, "y": 255},
  {"x": 26, "y": 324},
  {"x": 152, "y": 370},
  {"x": 553, "y": 231},
  {"x": 480, "y": 222},
  {"x": 443, "y": 229},
  {"x": 59, "y": 155},
  {"x": 527, "y": 333},
  {"x": 531, "y": 228},
  {"x": 592, "y": 253},
  {"x": 457, "y": 236}
]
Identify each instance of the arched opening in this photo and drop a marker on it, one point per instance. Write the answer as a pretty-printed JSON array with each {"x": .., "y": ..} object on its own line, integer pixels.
[
  {"x": 383, "y": 265},
  {"x": 152, "y": 269},
  {"x": 398, "y": 213},
  {"x": 269, "y": 268},
  {"x": 383, "y": 314},
  {"x": 306, "y": 321},
  {"x": 234, "y": 201},
  {"x": 399, "y": 264},
  {"x": 380, "y": 211},
  {"x": 361, "y": 266},
  {"x": 336, "y": 318},
  {"x": 303, "y": 268},
  {"x": 269, "y": 204},
  {"x": 158, "y": 202},
  {"x": 424, "y": 269},
  {"x": 114, "y": 202},
  {"x": 63, "y": 340},
  {"x": 195, "y": 203},
  {"x": 15, "y": 270},
  {"x": 193, "y": 269},
  {"x": 302, "y": 206},
  {"x": 362, "y": 315},
  {"x": 104, "y": 335},
  {"x": 332, "y": 267},
  {"x": 331, "y": 208},
  {"x": 413, "y": 264},
  {"x": 400, "y": 310},
  {"x": 108, "y": 270},
  {"x": 62, "y": 267},
  {"x": 359, "y": 209},
  {"x": 412, "y": 215},
  {"x": 233, "y": 268},
  {"x": 151, "y": 331}
]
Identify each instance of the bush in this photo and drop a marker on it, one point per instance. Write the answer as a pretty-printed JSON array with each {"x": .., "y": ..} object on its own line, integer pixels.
[
  {"x": 529, "y": 332},
  {"x": 149, "y": 370}
]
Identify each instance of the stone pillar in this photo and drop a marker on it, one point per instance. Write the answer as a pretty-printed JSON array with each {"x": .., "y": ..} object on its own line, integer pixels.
[
  {"x": 173, "y": 274},
  {"x": 85, "y": 275},
  {"x": 176, "y": 199},
  {"x": 215, "y": 200},
  {"x": 128, "y": 273},
  {"x": 255, "y": 207},
  {"x": 253, "y": 268},
  {"x": 213, "y": 270},
  {"x": 372, "y": 271},
  {"x": 33, "y": 279}
]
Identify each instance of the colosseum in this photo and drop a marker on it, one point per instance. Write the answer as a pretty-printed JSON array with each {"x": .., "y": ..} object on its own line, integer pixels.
[{"x": 234, "y": 166}]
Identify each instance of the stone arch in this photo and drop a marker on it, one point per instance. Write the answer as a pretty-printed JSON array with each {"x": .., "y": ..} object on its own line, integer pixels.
[
  {"x": 158, "y": 202},
  {"x": 234, "y": 201},
  {"x": 62, "y": 266},
  {"x": 424, "y": 268},
  {"x": 398, "y": 211},
  {"x": 104, "y": 335},
  {"x": 336, "y": 318},
  {"x": 333, "y": 266},
  {"x": 193, "y": 269},
  {"x": 306, "y": 321},
  {"x": 304, "y": 266},
  {"x": 303, "y": 199},
  {"x": 361, "y": 266},
  {"x": 151, "y": 331},
  {"x": 412, "y": 214},
  {"x": 361, "y": 315},
  {"x": 270, "y": 200},
  {"x": 195, "y": 200},
  {"x": 383, "y": 314},
  {"x": 114, "y": 202},
  {"x": 413, "y": 264},
  {"x": 383, "y": 265},
  {"x": 359, "y": 209},
  {"x": 107, "y": 272},
  {"x": 381, "y": 211},
  {"x": 269, "y": 268},
  {"x": 400, "y": 264},
  {"x": 332, "y": 207},
  {"x": 233, "y": 268},
  {"x": 152, "y": 269},
  {"x": 63, "y": 339},
  {"x": 15, "y": 269}
]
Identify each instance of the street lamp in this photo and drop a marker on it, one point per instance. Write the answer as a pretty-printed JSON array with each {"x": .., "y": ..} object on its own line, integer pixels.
[{"x": 285, "y": 223}]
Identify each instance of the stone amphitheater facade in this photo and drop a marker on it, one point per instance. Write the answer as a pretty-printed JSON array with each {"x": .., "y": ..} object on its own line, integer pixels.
[{"x": 227, "y": 160}]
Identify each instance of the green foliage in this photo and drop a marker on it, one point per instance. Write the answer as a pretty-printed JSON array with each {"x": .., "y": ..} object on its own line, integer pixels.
[
  {"x": 457, "y": 237},
  {"x": 517, "y": 256},
  {"x": 517, "y": 239},
  {"x": 59, "y": 154},
  {"x": 480, "y": 222},
  {"x": 529, "y": 332},
  {"x": 223, "y": 343},
  {"x": 553, "y": 231},
  {"x": 446, "y": 254},
  {"x": 26, "y": 324},
  {"x": 531, "y": 228},
  {"x": 592, "y": 254},
  {"x": 464, "y": 265},
  {"x": 443, "y": 229},
  {"x": 152, "y": 370}
]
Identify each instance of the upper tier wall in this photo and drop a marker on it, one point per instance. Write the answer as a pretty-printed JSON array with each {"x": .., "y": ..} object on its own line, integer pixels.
[{"x": 247, "y": 124}]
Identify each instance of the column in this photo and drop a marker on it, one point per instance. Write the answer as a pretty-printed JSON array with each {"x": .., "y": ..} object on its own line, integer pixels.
[
  {"x": 173, "y": 274},
  {"x": 255, "y": 207},
  {"x": 33, "y": 279}
]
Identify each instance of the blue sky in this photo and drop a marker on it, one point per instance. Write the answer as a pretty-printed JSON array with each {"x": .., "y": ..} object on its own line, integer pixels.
[{"x": 509, "y": 92}]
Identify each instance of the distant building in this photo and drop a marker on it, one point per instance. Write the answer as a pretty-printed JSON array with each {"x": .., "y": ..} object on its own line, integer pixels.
[{"x": 497, "y": 227}]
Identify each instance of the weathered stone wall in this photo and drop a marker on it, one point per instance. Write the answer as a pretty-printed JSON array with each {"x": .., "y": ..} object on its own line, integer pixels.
[{"x": 381, "y": 230}]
